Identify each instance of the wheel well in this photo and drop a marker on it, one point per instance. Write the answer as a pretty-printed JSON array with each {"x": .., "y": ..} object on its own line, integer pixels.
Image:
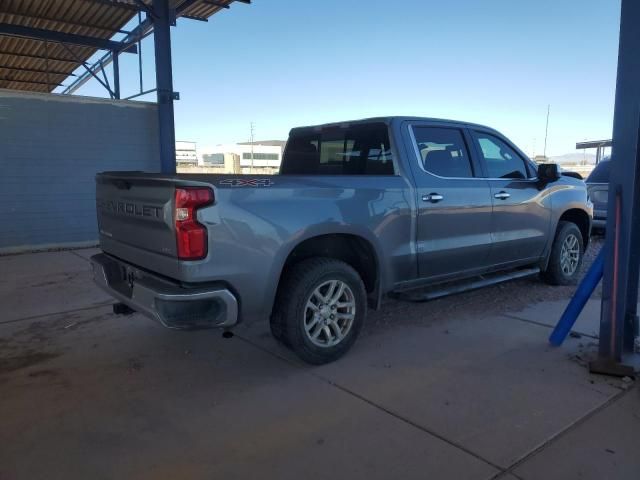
[
  {"x": 351, "y": 249},
  {"x": 581, "y": 219}
]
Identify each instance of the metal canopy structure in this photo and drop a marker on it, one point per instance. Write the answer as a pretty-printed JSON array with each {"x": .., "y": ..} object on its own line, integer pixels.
[
  {"x": 599, "y": 145},
  {"x": 43, "y": 43}
]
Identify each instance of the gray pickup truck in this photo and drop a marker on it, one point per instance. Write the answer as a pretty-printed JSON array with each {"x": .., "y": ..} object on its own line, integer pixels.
[{"x": 359, "y": 210}]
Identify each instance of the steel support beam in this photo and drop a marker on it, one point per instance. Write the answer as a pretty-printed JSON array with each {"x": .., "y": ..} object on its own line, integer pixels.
[
  {"x": 146, "y": 8},
  {"x": 116, "y": 75},
  {"x": 117, "y": 4},
  {"x": 215, "y": 3},
  {"x": 61, "y": 37},
  {"x": 618, "y": 321},
  {"x": 184, "y": 5},
  {"x": 164, "y": 84},
  {"x": 34, "y": 70},
  {"x": 188, "y": 3},
  {"x": 89, "y": 70},
  {"x": 134, "y": 37},
  {"x": 14, "y": 13},
  {"x": 197, "y": 19},
  {"x": 39, "y": 57},
  {"x": 33, "y": 82}
]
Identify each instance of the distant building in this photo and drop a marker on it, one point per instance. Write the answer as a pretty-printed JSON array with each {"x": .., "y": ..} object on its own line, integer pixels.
[
  {"x": 262, "y": 157},
  {"x": 540, "y": 159},
  {"x": 186, "y": 153},
  {"x": 221, "y": 162}
]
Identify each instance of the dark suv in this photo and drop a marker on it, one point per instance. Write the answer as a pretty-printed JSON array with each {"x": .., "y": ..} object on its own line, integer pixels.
[{"x": 598, "y": 189}]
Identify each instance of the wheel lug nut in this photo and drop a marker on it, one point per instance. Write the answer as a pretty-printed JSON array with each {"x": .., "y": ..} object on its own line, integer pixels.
[{"x": 332, "y": 317}]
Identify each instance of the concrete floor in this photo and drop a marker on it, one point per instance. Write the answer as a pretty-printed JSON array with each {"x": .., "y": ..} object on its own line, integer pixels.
[{"x": 464, "y": 387}]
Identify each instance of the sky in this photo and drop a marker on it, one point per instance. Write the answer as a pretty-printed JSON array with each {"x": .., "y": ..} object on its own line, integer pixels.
[{"x": 286, "y": 63}]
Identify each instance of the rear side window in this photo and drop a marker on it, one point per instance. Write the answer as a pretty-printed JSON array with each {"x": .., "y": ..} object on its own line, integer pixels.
[
  {"x": 601, "y": 173},
  {"x": 443, "y": 152},
  {"x": 502, "y": 161},
  {"x": 354, "y": 150}
]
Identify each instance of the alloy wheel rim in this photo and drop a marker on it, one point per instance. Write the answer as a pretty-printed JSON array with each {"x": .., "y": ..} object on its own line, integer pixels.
[
  {"x": 570, "y": 255},
  {"x": 329, "y": 313}
]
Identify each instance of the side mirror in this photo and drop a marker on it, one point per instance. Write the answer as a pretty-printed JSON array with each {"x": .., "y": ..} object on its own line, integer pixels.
[{"x": 549, "y": 172}]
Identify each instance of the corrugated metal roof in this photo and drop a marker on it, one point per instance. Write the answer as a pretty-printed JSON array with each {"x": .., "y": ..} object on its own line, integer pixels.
[{"x": 41, "y": 66}]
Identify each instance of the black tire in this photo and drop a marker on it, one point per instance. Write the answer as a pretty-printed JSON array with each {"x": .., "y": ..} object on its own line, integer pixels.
[
  {"x": 295, "y": 290},
  {"x": 555, "y": 275},
  {"x": 277, "y": 328}
]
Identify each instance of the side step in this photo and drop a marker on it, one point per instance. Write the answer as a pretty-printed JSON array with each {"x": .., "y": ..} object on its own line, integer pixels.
[{"x": 445, "y": 289}]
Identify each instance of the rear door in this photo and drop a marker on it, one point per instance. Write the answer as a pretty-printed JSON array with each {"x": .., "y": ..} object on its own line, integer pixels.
[
  {"x": 454, "y": 203},
  {"x": 521, "y": 213}
]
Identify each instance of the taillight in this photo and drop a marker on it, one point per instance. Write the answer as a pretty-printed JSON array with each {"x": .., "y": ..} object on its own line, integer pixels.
[{"x": 191, "y": 236}]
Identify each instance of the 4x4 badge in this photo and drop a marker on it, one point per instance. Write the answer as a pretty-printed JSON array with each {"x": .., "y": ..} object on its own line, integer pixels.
[{"x": 249, "y": 182}]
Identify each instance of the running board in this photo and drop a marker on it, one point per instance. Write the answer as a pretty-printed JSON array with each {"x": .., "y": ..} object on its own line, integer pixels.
[{"x": 451, "y": 288}]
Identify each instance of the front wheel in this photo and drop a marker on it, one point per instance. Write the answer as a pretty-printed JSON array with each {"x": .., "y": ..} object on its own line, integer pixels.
[
  {"x": 320, "y": 309},
  {"x": 566, "y": 256}
]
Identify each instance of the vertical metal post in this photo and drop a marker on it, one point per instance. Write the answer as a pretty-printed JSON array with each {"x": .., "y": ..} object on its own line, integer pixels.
[
  {"x": 632, "y": 322},
  {"x": 116, "y": 74},
  {"x": 162, "y": 21},
  {"x": 620, "y": 287},
  {"x": 46, "y": 64},
  {"x": 140, "y": 55}
]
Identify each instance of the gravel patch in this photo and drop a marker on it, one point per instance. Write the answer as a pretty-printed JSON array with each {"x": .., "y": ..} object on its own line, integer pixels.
[{"x": 512, "y": 296}]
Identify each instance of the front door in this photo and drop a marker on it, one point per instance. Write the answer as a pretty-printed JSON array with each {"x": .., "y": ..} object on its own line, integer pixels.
[
  {"x": 521, "y": 213},
  {"x": 454, "y": 203}
]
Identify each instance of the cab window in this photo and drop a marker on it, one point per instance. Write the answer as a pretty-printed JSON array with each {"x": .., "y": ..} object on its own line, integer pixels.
[
  {"x": 359, "y": 149},
  {"x": 443, "y": 152},
  {"x": 501, "y": 160}
]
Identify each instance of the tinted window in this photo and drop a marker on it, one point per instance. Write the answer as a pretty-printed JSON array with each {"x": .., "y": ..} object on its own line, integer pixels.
[
  {"x": 213, "y": 158},
  {"x": 259, "y": 156},
  {"x": 443, "y": 152},
  {"x": 501, "y": 160},
  {"x": 354, "y": 150},
  {"x": 601, "y": 173}
]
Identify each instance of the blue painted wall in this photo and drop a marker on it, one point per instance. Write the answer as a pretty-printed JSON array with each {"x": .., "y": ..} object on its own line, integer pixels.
[{"x": 51, "y": 147}]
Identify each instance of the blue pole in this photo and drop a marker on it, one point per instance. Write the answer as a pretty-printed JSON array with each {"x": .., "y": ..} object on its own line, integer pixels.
[
  {"x": 164, "y": 83},
  {"x": 579, "y": 300},
  {"x": 620, "y": 282}
]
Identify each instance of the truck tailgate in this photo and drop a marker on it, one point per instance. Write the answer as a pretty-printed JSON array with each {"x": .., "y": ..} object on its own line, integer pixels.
[{"x": 136, "y": 214}]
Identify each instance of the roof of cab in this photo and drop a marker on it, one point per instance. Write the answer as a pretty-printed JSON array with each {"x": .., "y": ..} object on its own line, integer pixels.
[{"x": 392, "y": 119}]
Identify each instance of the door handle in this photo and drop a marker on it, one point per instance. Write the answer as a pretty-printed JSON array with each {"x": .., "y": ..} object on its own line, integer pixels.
[
  {"x": 502, "y": 195},
  {"x": 432, "y": 197}
]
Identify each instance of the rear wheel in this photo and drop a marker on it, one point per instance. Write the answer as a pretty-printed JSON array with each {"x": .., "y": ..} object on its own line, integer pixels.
[
  {"x": 320, "y": 309},
  {"x": 566, "y": 256}
]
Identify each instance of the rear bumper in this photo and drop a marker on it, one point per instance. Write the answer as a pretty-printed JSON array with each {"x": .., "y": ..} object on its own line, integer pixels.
[
  {"x": 171, "y": 304},
  {"x": 600, "y": 223},
  {"x": 600, "y": 219}
]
